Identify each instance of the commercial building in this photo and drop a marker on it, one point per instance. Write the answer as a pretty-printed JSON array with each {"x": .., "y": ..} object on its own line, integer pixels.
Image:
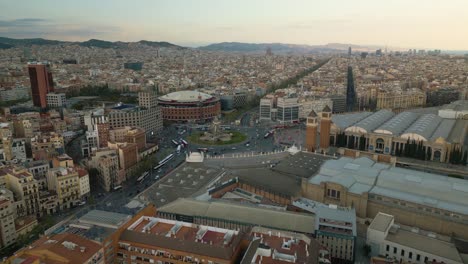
[
  {"x": 429, "y": 201},
  {"x": 335, "y": 228},
  {"x": 56, "y": 100},
  {"x": 162, "y": 240},
  {"x": 147, "y": 116},
  {"x": 189, "y": 106},
  {"x": 287, "y": 110},
  {"x": 130, "y": 135},
  {"x": 339, "y": 103},
  {"x": 410, "y": 99},
  {"x": 60, "y": 248},
  {"x": 266, "y": 109},
  {"x": 41, "y": 83},
  {"x": 405, "y": 244}
]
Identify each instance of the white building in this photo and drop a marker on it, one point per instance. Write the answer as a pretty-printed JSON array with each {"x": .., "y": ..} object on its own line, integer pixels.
[
  {"x": 455, "y": 110},
  {"x": 56, "y": 100},
  {"x": 266, "y": 107},
  {"x": 18, "y": 149},
  {"x": 409, "y": 244},
  {"x": 288, "y": 110}
]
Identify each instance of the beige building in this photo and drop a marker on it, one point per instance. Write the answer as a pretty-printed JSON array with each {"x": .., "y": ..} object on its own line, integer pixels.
[
  {"x": 106, "y": 161},
  {"x": 47, "y": 145},
  {"x": 431, "y": 202},
  {"x": 7, "y": 218},
  {"x": 128, "y": 154},
  {"x": 129, "y": 135},
  {"x": 406, "y": 100},
  {"x": 25, "y": 188},
  {"x": 66, "y": 183}
]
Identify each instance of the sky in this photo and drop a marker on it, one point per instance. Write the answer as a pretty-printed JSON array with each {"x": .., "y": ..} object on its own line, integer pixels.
[{"x": 430, "y": 24}]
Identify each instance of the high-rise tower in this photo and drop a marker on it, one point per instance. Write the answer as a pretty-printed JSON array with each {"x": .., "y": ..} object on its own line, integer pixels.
[
  {"x": 311, "y": 131},
  {"x": 325, "y": 125},
  {"x": 350, "y": 92},
  {"x": 41, "y": 83}
]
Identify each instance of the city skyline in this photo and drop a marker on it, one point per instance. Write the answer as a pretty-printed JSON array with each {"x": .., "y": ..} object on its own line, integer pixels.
[{"x": 399, "y": 24}]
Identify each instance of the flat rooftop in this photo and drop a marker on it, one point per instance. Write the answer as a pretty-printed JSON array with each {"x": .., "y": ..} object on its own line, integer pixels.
[
  {"x": 381, "y": 222},
  {"x": 302, "y": 164},
  {"x": 104, "y": 218},
  {"x": 183, "y": 236}
]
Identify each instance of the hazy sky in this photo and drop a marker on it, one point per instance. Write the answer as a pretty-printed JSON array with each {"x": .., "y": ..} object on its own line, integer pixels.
[{"x": 441, "y": 24}]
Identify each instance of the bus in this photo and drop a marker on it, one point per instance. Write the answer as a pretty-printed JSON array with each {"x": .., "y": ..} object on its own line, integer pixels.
[
  {"x": 175, "y": 142},
  {"x": 203, "y": 149},
  {"x": 184, "y": 142},
  {"x": 166, "y": 159},
  {"x": 158, "y": 167},
  {"x": 118, "y": 187},
  {"x": 269, "y": 133},
  {"x": 178, "y": 149},
  {"x": 143, "y": 177}
]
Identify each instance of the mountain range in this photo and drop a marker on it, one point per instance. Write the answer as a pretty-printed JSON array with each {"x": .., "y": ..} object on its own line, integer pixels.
[
  {"x": 279, "y": 48},
  {"x": 6, "y": 43},
  {"x": 286, "y": 48}
]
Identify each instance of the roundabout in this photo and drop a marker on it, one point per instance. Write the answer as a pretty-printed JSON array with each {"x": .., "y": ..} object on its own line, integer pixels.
[{"x": 235, "y": 137}]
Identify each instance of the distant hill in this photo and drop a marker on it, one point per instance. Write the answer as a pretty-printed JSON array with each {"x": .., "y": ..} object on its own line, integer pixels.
[
  {"x": 5, "y": 46},
  {"x": 10, "y": 42},
  {"x": 29, "y": 42},
  {"x": 283, "y": 48}
]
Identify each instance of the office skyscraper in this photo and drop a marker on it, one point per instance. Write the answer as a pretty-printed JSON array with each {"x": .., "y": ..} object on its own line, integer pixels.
[{"x": 41, "y": 83}]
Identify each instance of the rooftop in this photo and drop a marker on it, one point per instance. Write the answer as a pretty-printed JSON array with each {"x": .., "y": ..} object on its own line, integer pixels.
[
  {"x": 198, "y": 239},
  {"x": 104, "y": 218},
  {"x": 364, "y": 175},
  {"x": 382, "y": 222},
  {"x": 72, "y": 248},
  {"x": 185, "y": 96},
  {"x": 244, "y": 214}
]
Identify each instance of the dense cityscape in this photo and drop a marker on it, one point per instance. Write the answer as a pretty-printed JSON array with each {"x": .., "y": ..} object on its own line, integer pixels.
[{"x": 153, "y": 152}]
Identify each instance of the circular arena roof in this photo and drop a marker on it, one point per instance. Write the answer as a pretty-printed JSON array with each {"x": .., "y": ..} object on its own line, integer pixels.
[{"x": 185, "y": 97}]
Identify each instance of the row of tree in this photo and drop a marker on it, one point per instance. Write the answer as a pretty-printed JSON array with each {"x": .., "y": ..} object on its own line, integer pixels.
[{"x": 293, "y": 80}]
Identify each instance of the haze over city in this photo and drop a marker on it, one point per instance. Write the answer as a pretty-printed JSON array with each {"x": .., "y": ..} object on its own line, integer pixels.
[{"x": 403, "y": 24}]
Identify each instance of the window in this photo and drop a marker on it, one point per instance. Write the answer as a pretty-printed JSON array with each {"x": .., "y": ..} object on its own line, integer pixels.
[
  {"x": 402, "y": 252},
  {"x": 388, "y": 248},
  {"x": 410, "y": 256},
  {"x": 394, "y": 250},
  {"x": 418, "y": 257}
]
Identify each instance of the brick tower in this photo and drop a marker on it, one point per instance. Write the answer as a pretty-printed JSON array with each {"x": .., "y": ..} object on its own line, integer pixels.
[
  {"x": 311, "y": 131},
  {"x": 325, "y": 124}
]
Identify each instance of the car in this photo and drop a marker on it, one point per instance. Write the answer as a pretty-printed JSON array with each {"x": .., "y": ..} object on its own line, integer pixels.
[
  {"x": 157, "y": 177},
  {"x": 233, "y": 148}
]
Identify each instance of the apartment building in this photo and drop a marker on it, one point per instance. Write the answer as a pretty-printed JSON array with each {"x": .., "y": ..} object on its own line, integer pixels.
[
  {"x": 158, "y": 240},
  {"x": 66, "y": 183},
  {"x": 106, "y": 161},
  {"x": 129, "y": 135},
  {"x": 47, "y": 145},
  {"x": 128, "y": 154},
  {"x": 60, "y": 248},
  {"x": 25, "y": 188},
  {"x": 7, "y": 218}
]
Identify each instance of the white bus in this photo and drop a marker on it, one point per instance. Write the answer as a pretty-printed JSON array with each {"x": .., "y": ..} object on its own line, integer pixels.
[
  {"x": 143, "y": 176},
  {"x": 184, "y": 142},
  {"x": 178, "y": 149},
  {"x": 166, "y": 159},
  {"x": 118, "y": 187},
  {"x": 175, "y": 142}
]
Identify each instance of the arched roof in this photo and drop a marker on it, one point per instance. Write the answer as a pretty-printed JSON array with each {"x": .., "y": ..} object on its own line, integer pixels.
[
  {"x": 371, "y": 122},
  {"x": 397, "y": 124},
  {"x": 423, "y": 128}
]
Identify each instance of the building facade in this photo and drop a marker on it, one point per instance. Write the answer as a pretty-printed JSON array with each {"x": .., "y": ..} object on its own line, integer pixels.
[
  {"x": 189, "y": 106},
  {"x": 55, "y": 100},
  {"x": 41, "y": 83}
]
